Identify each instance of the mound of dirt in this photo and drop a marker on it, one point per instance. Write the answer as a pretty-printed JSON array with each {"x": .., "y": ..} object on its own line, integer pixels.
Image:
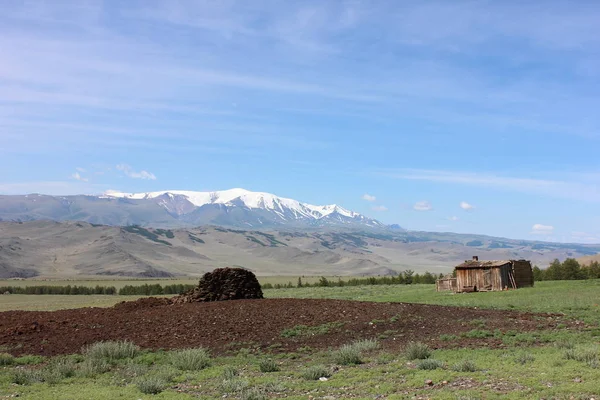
[
  {"x": 226, "y": 326},
  {"x": 223, "y": 284}
]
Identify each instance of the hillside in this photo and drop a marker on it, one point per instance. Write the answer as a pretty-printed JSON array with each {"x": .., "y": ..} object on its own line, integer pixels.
[{"x": 55, "y": 249}]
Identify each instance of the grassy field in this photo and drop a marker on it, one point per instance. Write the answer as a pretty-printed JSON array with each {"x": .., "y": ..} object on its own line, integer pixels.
[
  {"x": 565, "y": 366},
  {"x": 119, "y": 283}
]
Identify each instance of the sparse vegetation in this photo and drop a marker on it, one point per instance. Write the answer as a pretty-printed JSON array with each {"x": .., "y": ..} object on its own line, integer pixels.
[
  {"x": 465, "y": 366},
  {"x": 6, "y": 359},
  {"x": 303, "y": 330},
  {"x": 417, "y": 351},
  {"x": 268, "y": 365},
  {"x": 111, "y": 351},
  {"x": 315, "y": 372},
  {"x": 190, "y": 359},
  {"x": 151, "y": 384},
  {"x": 430, "y": 364}
]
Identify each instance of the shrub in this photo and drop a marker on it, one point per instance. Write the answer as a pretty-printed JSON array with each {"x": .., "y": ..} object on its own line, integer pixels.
[
  {"x": 23, "y": 376},
  {"x": 253, "y": 394},
  {"x": 366, "y": 345},
  {"x": 132, "y": 371},
  {"x": 151, "y": 384},
  {"x": 417, "y": 351},
  {"x": 315, "y": 372},
  {"x": 465, "y": 366},
  {"x": 6, "y": 359},
  {"x": 429, "y": 364},
  {"x": 234, "y": 385},
  {"x": 347, "y": 355},
  {"x": 111, "y": 351},
  {"x": 564, "y": 344},
  {"x": 190, "y": 359},
  {"x": 92, "y": 367},
  {"x": 58, "y": 369},
  {"x": 268, "y": 365},
  {"x": 230, "y": 372}
]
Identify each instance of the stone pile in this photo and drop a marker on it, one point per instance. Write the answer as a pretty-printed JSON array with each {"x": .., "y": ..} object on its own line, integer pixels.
[{"x": 224, "y": 284}]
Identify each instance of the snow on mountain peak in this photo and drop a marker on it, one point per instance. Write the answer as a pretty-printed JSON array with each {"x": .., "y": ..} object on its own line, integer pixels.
[{"x": 253, "y": 200}]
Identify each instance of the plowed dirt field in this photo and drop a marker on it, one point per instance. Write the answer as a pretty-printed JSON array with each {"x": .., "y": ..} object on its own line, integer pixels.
[{"x": 227, "y": 326}]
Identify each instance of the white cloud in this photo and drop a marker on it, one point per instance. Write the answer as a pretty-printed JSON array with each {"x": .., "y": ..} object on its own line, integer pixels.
[
  {"x": 422, "y": 206},
  {"x": 379, "y": 208},
  {"x": 128, "y": 171},
  {"x": 368, "y": 197},
  {"x": 79, "y": 169},
  {"x": 453, "y": 218},
  {"x": 78, "y": 177},
  {"x": 539, "y": 229},
  {"x": 466, "y": 206}
]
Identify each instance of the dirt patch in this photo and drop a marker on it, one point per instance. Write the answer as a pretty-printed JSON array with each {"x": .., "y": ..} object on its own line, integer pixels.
[{"x": 227, "y": 326}]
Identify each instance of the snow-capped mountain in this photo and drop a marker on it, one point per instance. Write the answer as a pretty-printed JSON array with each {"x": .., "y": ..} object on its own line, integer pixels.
[
  {"x": 173, "y": 208},
  {"x": 243, "y": 207}
]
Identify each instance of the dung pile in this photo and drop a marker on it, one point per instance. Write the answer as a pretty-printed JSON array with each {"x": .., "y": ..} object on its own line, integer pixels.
[{"x": 224, "y": 284}]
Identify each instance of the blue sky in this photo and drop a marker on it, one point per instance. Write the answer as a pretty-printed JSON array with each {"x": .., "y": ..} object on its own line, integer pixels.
[{"x": 474, "y": 116}]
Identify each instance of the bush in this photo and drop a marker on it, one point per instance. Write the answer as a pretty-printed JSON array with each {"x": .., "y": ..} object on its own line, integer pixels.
[
  {"x": 315, "y": 372},
  {"x": 347, "y": 355},
  {"x": 111, "y": 351},
  {"x": 230, "y": 372},
  {"x": 6, "y": 359},
  {"x": 234, "y": 385},
  {"x": 92, "y": 367},
  {"x": 430, "y": 364},
  {"x": 253, "y": 394},
  {"x": 465, "y": 366},
  {"x": 59, "y": 369},
  {"x": 417, "y": 351},
  {"x": 23, "y": 376},
  {"x": 151, "y": 384},
  {"x": 190, "y": 359},
  {"x": 366, "y": 345},
  {"x": 268, "y": 365}
]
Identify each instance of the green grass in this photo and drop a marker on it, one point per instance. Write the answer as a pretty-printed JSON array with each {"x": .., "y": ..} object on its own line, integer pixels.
[{"x": 303, "y": 330}]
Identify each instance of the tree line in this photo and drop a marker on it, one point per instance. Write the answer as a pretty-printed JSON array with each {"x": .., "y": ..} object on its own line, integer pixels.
[
  {"x": 407, "y": 277},
  {"x": 58, "y": 290},
  {"x": 570, "y": 269}
]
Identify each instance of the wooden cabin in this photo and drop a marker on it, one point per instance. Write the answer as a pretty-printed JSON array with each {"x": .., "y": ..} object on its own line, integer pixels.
[{"x": 481, "y": 276}]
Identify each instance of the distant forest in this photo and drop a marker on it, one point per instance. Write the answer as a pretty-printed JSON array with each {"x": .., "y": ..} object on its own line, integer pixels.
[{"x": 570, "y": 269}]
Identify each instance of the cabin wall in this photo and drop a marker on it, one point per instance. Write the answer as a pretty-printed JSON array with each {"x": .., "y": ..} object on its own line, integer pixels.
[
  {"x": 490, "y": 278},
  {"x": 523, "y": 273},
  {"x": 446, "y": 284}
]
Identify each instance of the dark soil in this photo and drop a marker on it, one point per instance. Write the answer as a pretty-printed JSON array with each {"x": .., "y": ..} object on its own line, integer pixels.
[{"x": 227, "y": 326}]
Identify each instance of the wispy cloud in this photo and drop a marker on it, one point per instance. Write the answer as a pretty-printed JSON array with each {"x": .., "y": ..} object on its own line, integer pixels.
[
  {"x": 79, "y": 169},
  {"x": 422, "y": 206},
  {"x": 540, "y": 229},
  {"x": 379, "y": 208},
  {"x": 78, "y": 177},
  {"x": 466, "y": 206},
  {"x": 579, "y": 186},
  {"x": 453, "y": 218},
  {"x": 368, "y": 197},
  {"x": 131, "y": 173}
]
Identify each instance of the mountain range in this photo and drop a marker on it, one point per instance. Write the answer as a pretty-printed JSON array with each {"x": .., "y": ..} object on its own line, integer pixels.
[
  {"x": 185, "y": 233},
  {"x": 174, "y": 208},
  {"x": 68, "y": 249}
]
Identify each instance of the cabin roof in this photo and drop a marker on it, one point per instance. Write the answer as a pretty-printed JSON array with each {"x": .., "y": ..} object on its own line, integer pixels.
[{"x": 474, "y": 264}]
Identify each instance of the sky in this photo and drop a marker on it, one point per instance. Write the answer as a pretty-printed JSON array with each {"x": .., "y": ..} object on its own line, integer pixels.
[{"x": 462, "y": 116}]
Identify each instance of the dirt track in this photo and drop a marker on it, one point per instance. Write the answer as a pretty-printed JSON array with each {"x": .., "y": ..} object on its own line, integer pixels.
[{"x": 230, "y": 325}]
